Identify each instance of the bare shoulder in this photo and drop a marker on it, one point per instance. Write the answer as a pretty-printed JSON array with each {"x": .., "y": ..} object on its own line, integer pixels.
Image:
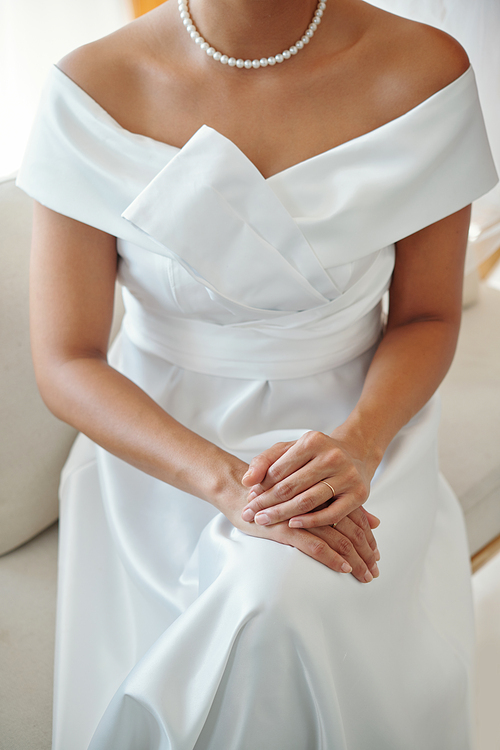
[
  {"x": 414, "y": 60},
  {"x": 436, "y": 57},
  {"x": 112, "y": 69},
  {"x": 98, "y": 66}
]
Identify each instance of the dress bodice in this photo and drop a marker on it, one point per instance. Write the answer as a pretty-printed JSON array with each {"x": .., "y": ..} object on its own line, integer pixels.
[{"x": 296, "y": 261}]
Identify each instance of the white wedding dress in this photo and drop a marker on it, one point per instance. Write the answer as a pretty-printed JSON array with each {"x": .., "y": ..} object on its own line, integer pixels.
[{"x": 253, "y": 309}]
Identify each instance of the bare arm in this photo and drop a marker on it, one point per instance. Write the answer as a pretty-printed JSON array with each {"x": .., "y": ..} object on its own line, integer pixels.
[
  {"x": 73, "y": 271},
  {"x": 410, "y": 363}
]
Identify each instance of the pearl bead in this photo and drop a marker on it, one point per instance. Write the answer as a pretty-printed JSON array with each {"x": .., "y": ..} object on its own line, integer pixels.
[{"x": 232, "y": 62}]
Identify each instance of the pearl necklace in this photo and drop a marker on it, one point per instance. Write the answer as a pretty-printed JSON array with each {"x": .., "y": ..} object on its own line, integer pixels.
[{"x": 250, "y": 64}]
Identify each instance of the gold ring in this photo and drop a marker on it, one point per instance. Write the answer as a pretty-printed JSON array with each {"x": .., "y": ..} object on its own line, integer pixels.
[{"x": 330, "y": 486}]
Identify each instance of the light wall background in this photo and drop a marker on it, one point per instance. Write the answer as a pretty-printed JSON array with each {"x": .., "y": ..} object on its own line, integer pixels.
[{"x": 33, "y": 35}]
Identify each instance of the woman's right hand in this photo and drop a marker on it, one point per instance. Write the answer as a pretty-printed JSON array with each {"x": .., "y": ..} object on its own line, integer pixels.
[{"x": 343, "y": 549}]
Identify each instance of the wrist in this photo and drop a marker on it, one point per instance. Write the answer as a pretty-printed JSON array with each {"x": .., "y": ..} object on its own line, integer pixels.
[
  {"x": 361, "y": 441},
  {"x": 225, "y": 490}
]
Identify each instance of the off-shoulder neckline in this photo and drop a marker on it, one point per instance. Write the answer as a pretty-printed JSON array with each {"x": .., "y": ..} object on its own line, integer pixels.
[{"x": 303, "y": 163}]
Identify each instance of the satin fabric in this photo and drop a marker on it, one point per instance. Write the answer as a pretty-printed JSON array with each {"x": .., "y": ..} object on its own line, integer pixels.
[{"x": 253, "y": 309}]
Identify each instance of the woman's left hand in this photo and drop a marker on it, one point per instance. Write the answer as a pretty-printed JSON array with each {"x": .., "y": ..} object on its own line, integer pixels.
[{"x": 286, "y": 482}]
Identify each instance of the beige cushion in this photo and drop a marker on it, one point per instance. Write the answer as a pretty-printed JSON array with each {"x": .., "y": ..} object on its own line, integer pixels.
[
  {"x": 33, "y": 443},
  {"x": 470, "y": 424}
]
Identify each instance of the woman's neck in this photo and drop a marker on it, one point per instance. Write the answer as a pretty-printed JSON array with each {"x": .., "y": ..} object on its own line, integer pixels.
[{"x": 252, "y": 28}]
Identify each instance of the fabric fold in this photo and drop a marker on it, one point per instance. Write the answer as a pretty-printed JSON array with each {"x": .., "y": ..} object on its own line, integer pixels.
[
  {"x": 197, "y": 208},
  {"x": 393, "y": 181},
  {"x": 435, "y": 160}
]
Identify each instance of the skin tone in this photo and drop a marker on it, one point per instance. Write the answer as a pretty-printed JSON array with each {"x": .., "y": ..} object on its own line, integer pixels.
[{"x": 154, "y": 80}]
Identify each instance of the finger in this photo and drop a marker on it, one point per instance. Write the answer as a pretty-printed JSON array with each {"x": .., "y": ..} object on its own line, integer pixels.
[
  {"x": 331, "y": 515},
  {"x": 360, "y": 518},
  {"x": 345, "y": 548},
  {"x": 374, "y": 521},
  {"x": 299, "y": 453},
  {"x": 358, "y": 538},
  {"x": 308, "y": 543},
  {"x": 288, "y": 498},
  {"x": 259, "y": 465},
  {"x": 313, "y": 545}
]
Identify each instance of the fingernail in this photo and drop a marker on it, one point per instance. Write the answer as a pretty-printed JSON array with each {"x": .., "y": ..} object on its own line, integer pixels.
[
  {"x": 262, "y": 519},
  {"x": 346, "y": 568},
  {"x": 295, "y": 523},
  {"x": 248, "y": 515},
  {"x": 368, "y": 576},
  {"x": 246, "y": 473},
  {"x": 377, "y": 554},
  {"x": 374, "y": 570},
  {"x": 251, "y": 495}
]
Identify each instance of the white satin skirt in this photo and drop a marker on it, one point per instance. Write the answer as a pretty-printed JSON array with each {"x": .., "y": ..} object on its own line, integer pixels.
[{"x": 176, "y": 631}]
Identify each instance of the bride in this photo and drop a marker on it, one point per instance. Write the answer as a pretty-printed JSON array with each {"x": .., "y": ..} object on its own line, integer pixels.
[{"x": 258, "y": 174}]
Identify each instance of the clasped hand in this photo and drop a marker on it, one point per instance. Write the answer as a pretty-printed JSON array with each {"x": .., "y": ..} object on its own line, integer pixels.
[{"x": 286, "y": 483}]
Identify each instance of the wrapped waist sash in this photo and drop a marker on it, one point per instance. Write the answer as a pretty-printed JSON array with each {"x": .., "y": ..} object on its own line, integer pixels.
[{"x": 257, "y": 351}]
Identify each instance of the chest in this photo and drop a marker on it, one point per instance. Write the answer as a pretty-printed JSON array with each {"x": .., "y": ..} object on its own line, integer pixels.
[{"x": 275, "y": 122}]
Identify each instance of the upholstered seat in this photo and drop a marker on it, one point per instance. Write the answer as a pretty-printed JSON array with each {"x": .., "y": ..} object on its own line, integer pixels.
[{"x": 33, "y": 443}]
